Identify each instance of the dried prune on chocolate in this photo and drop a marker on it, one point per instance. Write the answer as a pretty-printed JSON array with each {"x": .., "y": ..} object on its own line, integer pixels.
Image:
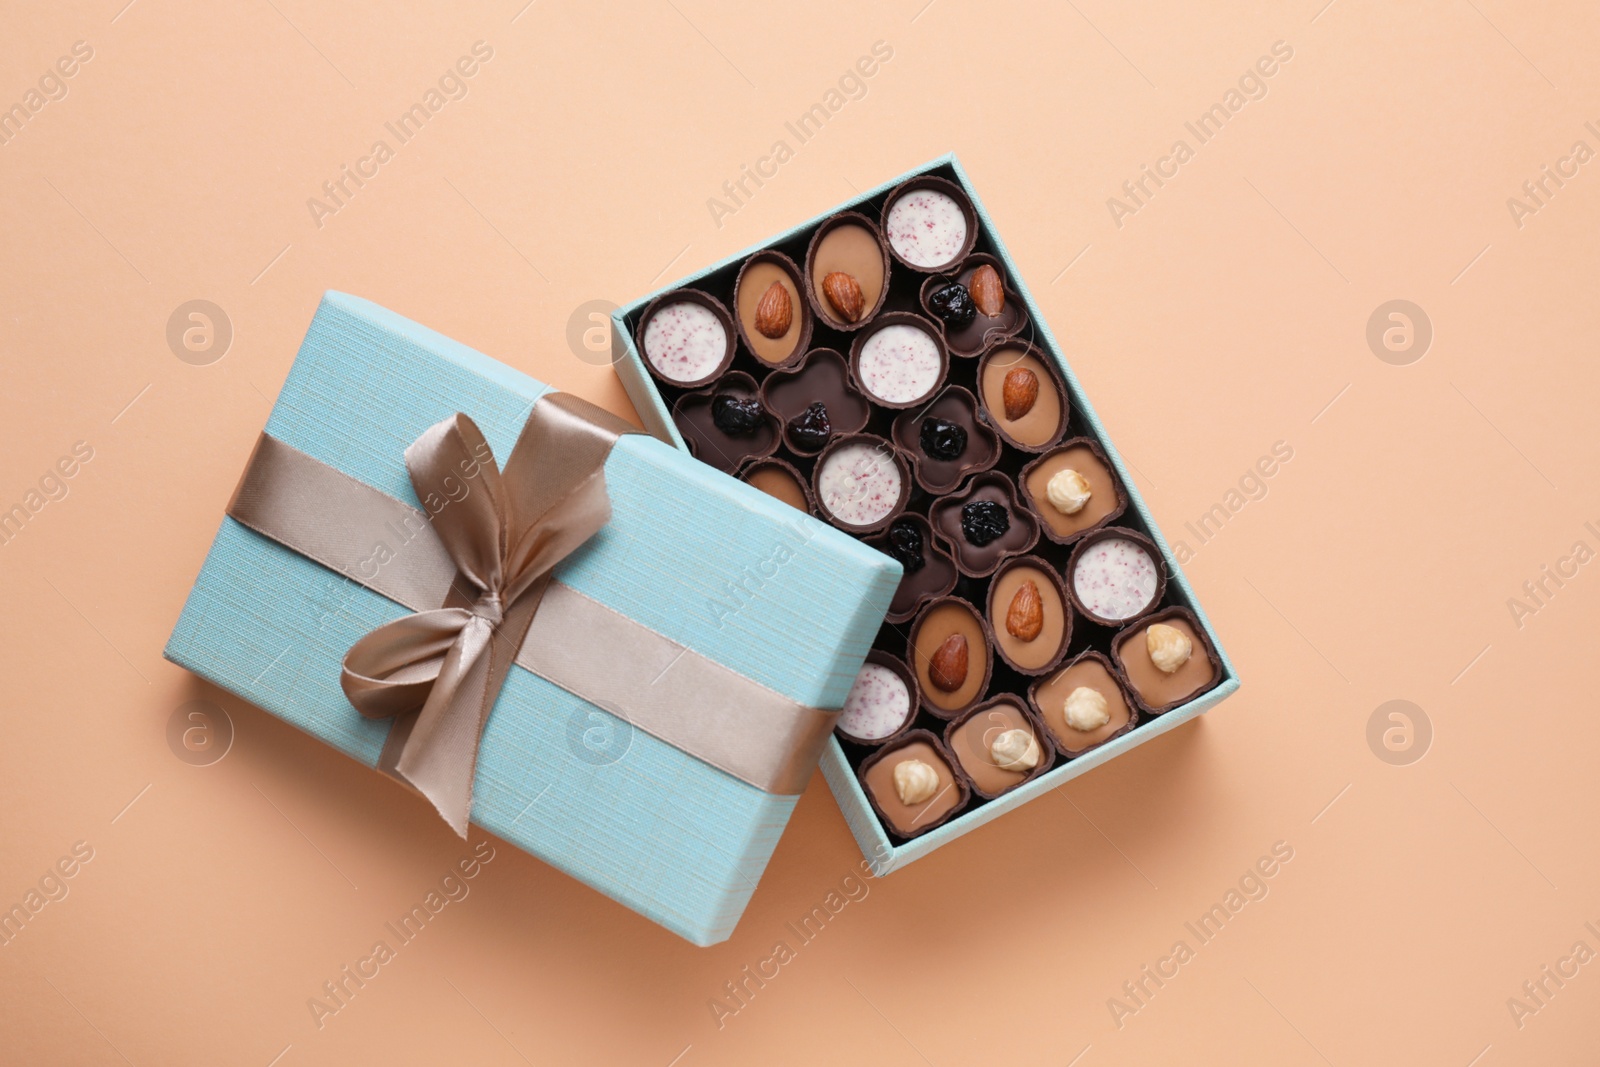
[
  {"x": 984, "y": 520},
  {"x": 954, "y": 305},
  {"x": 811, "y": 428},
  {"x": 905, "y": 545},
  {"x": 736, "y": 416},
  {"x": 943, "y": 439}
]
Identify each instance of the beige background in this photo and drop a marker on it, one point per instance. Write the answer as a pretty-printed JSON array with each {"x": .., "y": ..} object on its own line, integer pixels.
[{"x": 1228, "y": 313}]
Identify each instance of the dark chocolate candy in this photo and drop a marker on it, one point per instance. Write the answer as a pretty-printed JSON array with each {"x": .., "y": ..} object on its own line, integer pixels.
[
  {"x": 969, "y": 333},
  {"x": 696, "y": 417},
  {"x": 821, "y": 377},
  {"x": 957, "y": 407},
  {"x": 966, "y": 529},
  {"x": 933, "y": 574}
]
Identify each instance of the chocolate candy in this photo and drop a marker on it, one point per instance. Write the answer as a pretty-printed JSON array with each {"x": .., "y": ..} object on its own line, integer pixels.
[
  {"x": 820, "y": 377},
  {"x": 998, "y": 745},
  {"x": 847, "y": 244},
  {"x": 882, "y": 702},
  {"x": 938, "y": 471},
  {"x": 1167, "y": 660},
  {"x": 950, "y": 644},
  {"x": 967, "y": 330},
  {"x": 929, "y": 570},
  {"x": 1073, "y": 490},
  {"x": 686, "y": 337},
  {"x": 861, "y": 483},
  {"x": 781, "y": 481},
  {"x": 1004, "y": 378},
  {"x": 984, "y": 525},
  {"x": 1087, "y": 686},
  {"x": 899, "y": 361},
  {"x": 1029, "y": 615},
  {"x": 911, "y": 784},
  {"x": 726, "y": 425},
  {"x": 768, "y": 294},
  {"x": 1115, "y": 575},
  {"x": 929, "y": 224}
]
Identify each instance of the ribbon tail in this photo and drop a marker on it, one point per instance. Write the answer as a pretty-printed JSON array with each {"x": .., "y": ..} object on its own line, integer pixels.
[{"x": 439, "y": 756}]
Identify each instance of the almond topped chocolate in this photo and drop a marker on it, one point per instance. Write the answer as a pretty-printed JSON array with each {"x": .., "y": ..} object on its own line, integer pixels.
[{"x": 949, "y": 652}]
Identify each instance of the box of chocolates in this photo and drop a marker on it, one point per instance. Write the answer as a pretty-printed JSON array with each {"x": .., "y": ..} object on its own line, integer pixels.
[
  {"x": 883, "y": 369},
  {"x": 667, "y": 702}
]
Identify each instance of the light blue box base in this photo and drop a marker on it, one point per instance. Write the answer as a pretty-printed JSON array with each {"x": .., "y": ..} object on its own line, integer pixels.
[
  {"x": 875, "y": 844},
  {"x": 669, "y": 836}
]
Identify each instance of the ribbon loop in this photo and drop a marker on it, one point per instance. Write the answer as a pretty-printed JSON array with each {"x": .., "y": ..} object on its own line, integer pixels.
[{"x": 438, "y": 672}]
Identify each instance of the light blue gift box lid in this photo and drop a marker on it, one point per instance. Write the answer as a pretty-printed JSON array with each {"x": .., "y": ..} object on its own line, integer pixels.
[{"x": 693, "y": 554}]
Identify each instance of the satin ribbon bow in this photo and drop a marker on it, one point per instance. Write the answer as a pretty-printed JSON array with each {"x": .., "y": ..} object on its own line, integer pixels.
[{"x": 437, "y": 672}]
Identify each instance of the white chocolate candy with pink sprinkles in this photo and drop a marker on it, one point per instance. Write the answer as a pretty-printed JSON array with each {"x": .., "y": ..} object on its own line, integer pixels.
[
  {"x": 1115, "y": 578},
  {"x": 859, "y": 483},
  {"x": 899, "y": 364},
  {"x": 927, "y": 228},
  {"x": 877, "y": 705},
  {"x": 685, "y": 341}
]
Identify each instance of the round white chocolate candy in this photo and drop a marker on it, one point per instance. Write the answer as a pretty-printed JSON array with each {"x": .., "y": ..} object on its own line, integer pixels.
[
  {"x": 927, "y": 228},
  {"x": 859, "y": 483},
  {"x": 685, "y": 341},
  {"x": 899, "y": 364},
  {"x": 878, "y": 704},
  {"x": 1115, "y": 578}
]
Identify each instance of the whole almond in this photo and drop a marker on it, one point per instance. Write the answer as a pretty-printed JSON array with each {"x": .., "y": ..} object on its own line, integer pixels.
[
  {"x": 948, "y": 667},
  {"x": 1019, "y": 391},
  {"x": 1026, "y": 618},
  {"x": 844, "y": 293},
  {"x": 775, "y": 312},
  {"x": 988, "y": 291}
]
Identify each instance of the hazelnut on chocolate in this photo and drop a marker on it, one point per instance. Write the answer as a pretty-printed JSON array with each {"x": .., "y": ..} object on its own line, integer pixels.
[
  {"x": 1168, "y": 646},
  {"x": 1015, "y": 750},
  {"x": 1068, "y": 491},
  {"x": 1086, "y": 709},
  {"x": 915, "y": 781}
]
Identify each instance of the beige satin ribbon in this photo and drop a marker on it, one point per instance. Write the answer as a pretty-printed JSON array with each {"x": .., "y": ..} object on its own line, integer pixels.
[{"x": 486, "y": 556}]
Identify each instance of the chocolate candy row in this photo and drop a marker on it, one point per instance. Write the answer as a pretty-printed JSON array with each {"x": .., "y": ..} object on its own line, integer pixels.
[{"x": 917, "y": 780}]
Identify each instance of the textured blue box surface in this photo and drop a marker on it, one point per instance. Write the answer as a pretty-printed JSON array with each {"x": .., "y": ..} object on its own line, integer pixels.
[
  {"x": 876, "y": 846},
  {"x": 689, "y": 552}
]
